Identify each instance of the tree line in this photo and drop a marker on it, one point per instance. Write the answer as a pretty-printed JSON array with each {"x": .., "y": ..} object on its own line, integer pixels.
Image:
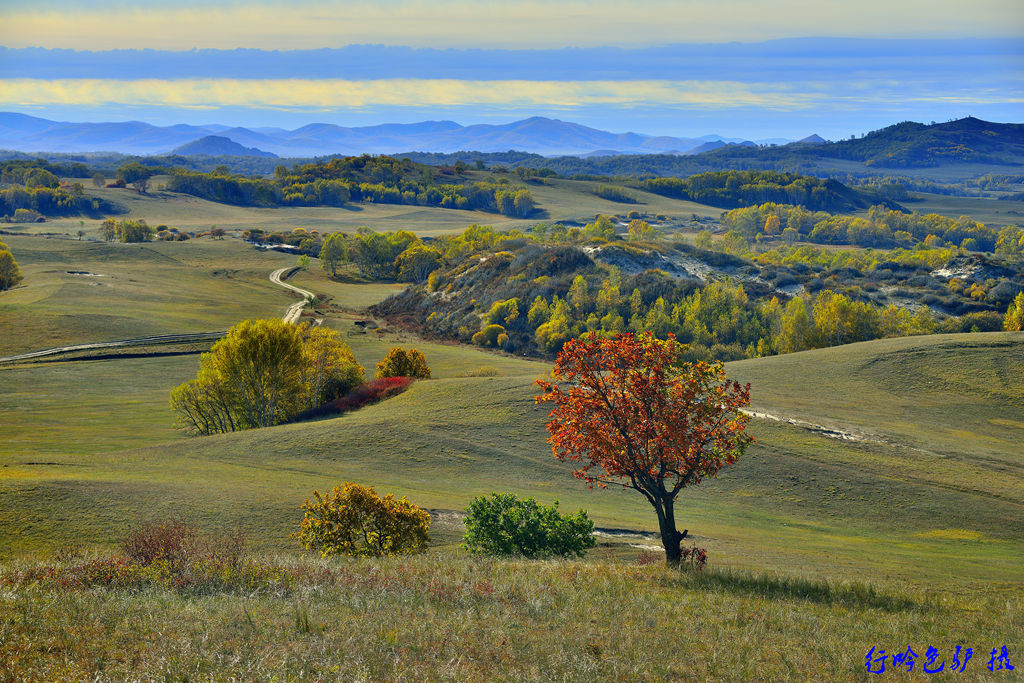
[
  {"x": 355, "y": 179},
  {"x": 10, "y": 273},
  {"x": 882, "y": 227},
  {"x": 732, "y": 189}
]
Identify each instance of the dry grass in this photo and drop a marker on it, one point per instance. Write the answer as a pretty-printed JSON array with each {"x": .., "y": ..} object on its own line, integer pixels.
[{"x": 449, "y": 617}]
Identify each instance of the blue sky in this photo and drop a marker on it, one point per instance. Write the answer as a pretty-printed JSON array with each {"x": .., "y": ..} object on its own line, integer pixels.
[{"x": 740, "y": 68}]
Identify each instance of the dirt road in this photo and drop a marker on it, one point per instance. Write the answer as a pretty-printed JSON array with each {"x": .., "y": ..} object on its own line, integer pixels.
[
  {"x": 295, "y": 310},
  {"x": 292, "y": 315}
]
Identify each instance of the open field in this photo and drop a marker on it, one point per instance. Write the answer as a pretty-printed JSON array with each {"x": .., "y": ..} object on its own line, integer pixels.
[
  {"x": 889, "y": 505},
  {"x": 133, "y": 290},
  {"x": 936, "y": 422},
  {"x": 794, "y": 529},
  {"x": 990, "y": 211}
]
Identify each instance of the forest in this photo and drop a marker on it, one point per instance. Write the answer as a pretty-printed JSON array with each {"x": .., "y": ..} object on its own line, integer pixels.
[
  {"x": 366, "y": 178},
  {"x": 731, "y": 189},
  {"x": 882, "y": 227}
]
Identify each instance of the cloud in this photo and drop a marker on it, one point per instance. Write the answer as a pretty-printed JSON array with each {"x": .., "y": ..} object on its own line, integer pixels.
[
  {"x": 330, "y": 94},
  {"x": 463, "y": 23}
]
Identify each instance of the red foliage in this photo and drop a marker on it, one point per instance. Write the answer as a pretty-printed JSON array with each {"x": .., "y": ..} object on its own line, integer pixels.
[
  {"x": 638, "y": 413},
  {"x": 373, "y": 391},
  {"x": 633, "y": 414},
  {"x": 171, "y": 540}
]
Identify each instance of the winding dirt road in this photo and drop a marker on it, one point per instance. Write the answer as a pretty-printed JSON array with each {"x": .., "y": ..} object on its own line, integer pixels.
[
  {"x": 294, "y": 311},
  {"x": 292, "y": 315}
]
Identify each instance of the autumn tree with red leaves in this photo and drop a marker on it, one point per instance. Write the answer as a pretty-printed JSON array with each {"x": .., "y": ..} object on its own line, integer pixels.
[{"x": 633, "y": 414}]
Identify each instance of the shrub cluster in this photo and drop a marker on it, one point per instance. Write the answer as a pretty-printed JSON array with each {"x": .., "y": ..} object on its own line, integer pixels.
[
  {"x": 371, "y": 392},
  {"x": 170, "y": 554},
  {"x": 507, "y": 525},
  {"x": 614, "y": 193},
  {"x": 265, "y": 372},
  {"x": 353, "y": 520},
  {"x": 402, "y": 363},
  {"x": 128, "y": 230}
]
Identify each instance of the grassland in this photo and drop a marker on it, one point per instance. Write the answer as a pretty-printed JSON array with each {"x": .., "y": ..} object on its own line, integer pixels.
[
  {"x": 990, "y": 211},
  {"x": 132, "y": 290},
  {"x": 926, "y": 503},
  {"x": 448, "y": 617}
]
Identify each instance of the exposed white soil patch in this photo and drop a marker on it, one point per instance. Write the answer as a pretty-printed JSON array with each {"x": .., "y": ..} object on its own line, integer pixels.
[
  {"x": 674, "y": 263},
  {"x": 830, "y": 432},
  {"x": 795, "y": 289}
]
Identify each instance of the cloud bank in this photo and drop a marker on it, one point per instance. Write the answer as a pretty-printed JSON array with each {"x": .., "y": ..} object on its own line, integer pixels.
[{"x": 463, "y": 23}]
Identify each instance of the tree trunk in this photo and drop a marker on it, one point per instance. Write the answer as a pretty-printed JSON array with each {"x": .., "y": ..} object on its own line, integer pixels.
[{"x": 670, "y": 537}]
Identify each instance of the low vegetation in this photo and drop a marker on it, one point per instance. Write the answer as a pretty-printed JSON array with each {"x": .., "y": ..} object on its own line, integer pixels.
[
  {"x": 507, "y": 526},
  {"x": 374, "y": 391},
  {"x": 477, "y": 619},
  {"x": 353, "y": 520}
]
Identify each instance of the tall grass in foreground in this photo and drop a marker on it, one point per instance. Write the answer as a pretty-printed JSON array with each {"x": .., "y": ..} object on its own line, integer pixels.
[{"x": 449, "y": 616}]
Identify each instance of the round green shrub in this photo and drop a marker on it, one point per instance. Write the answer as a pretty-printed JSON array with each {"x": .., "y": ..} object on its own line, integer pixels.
[{"x": 508, "y": 526}]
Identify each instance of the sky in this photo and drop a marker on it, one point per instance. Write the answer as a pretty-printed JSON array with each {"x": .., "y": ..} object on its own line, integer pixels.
[{"x": 740, "y": 68}]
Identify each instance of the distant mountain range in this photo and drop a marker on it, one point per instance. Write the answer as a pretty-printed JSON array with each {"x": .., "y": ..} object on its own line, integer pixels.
[{"x": 537, "y": 134}]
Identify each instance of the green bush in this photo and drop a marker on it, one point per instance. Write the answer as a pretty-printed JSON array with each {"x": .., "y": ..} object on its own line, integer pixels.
[{"x": 506, "y": 525}]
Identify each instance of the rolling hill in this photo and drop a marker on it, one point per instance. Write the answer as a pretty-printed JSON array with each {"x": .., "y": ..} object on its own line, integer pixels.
[
  {"x": 849, "y": 451},
  {"x": 909, "y": 144},
  {"x": 218, "y": 145}
]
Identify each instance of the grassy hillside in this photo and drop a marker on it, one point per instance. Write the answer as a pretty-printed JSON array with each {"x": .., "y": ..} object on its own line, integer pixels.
[
  {"x": 449, "y": 617},
  {"x": 131, "y": 290},
  {"x": 931, "y": 488}
]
